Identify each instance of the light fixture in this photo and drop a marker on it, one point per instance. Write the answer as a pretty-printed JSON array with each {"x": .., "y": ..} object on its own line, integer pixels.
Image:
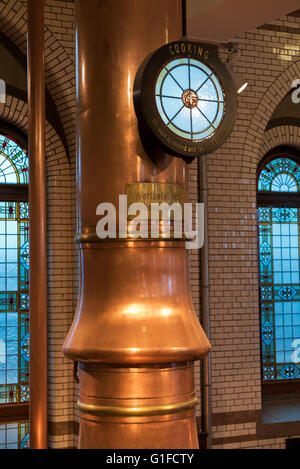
[{"x": 239, "y": 82}]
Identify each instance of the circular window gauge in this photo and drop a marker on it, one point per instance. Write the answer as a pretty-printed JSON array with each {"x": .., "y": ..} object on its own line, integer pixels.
[
  {"x": 186, "y": 103},
  {"x": 189, "y": 99}
]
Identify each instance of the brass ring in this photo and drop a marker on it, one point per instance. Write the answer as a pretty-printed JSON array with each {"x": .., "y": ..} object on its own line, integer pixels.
[
  {"x": 142, "y": 411},
  {"x": 85, "y": 238}
]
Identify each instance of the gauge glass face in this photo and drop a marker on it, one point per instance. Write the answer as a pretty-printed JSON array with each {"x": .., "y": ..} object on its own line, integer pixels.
[{"x": 189, "y": 99}]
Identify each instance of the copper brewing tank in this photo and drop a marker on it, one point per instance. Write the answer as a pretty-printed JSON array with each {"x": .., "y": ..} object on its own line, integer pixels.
[{"x": 135, "y": 332}]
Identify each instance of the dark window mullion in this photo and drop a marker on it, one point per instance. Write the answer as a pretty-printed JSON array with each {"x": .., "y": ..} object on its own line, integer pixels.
[
  {"x": 14, "y": 192},
  {"x": 280, "y": 199}
]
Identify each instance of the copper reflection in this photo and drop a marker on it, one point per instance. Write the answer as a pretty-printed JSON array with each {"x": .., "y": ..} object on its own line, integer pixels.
[
  {"x": 148, "y": 407},
  {"x": 143, "y": 313},
  {"x": 135, "y": 332}
]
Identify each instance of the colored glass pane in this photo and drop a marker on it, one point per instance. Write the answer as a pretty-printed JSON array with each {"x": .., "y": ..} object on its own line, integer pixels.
[
  {"x": 279, "y": 273},
  {"x": 13, "y": 162},
  {"x": 14, "y": 302},
  {"x": 14, "y": 435},
  {"x": 280, "y": 175},
  {"x": 279, "y": 291}
]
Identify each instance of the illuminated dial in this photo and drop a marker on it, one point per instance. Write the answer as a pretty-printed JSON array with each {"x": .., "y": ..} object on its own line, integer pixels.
[
  {"x": 189, "y": 98},
  {"x": 185, "y": 101}
]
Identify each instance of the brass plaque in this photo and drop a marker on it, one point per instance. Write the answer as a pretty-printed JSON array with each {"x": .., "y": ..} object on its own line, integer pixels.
[{"x": 154, "y": 192}]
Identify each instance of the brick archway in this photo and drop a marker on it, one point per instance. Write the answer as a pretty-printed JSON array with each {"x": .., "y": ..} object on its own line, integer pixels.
[
  {"x": 272, "y": 97},
  {"x": 281, "y": 135},
  {"x": 59, "y": 56}
]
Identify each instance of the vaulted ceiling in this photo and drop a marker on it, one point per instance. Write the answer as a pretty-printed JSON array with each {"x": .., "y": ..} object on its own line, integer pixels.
[{"x": 222, "y": 20}]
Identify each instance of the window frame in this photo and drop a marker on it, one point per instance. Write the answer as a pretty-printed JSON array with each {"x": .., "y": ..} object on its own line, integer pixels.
[
  {"x": 17, "y": 411},
  {"x": 275, "y": 199}
]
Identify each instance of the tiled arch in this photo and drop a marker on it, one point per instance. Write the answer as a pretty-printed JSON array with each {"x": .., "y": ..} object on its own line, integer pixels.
[
  {"x": 59, "y": 64},
  {"x": 267, "y": 105},
  {"x": 281, "y": 135}
]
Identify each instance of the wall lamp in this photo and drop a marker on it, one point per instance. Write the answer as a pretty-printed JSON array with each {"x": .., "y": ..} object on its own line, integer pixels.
[{"x": 233, "y": 54}]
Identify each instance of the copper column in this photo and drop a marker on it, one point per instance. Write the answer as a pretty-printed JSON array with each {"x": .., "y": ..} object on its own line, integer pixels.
[
  {"x": 38, "y": 246},
  {"x": 135, "y": 332}
]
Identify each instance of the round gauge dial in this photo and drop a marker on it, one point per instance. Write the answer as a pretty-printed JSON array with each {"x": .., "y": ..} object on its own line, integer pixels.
[
  {"x": 189, "y": 98},
  {"x": 185, "y": 100}
]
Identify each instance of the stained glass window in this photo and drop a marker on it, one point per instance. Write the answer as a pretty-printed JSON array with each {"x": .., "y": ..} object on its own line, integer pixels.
[
  {"x": 14, "y": 435},
  {"x": 14, "y": 293},
  {"x": 13, "y": 162},
  {"x": 279, "y": 238},
  {"x": 14, "y": 302},
  {"x": 280, "y": 175},
  {"x": 189, "y": 98}
]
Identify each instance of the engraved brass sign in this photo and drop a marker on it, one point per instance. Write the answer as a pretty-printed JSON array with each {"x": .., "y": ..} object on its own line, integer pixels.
[
  {"x": 148, "y": 193},
  {"x": 154, "y": 192}
]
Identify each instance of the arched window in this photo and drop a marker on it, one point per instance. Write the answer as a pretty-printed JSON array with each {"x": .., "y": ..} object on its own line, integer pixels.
[
  {"x": 278, "y": 223},
  {"x": 14, "y": 292}
]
